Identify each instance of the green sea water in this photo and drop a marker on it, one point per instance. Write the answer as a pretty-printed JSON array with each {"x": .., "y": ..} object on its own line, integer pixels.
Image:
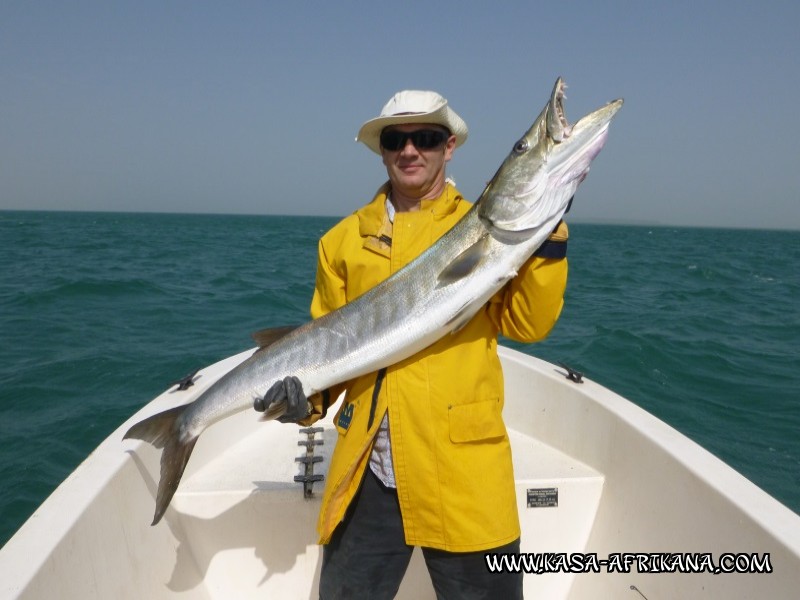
[{"x": 99, "y": 312}]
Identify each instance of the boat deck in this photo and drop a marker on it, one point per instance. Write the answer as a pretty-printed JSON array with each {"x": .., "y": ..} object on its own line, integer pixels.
[
  {"x": 594, "y": 473},
  {"x": 229, "y": 487}
]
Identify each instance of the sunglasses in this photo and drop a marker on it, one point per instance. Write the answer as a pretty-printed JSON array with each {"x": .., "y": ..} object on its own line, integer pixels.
[{"x": 423, "y": 139}]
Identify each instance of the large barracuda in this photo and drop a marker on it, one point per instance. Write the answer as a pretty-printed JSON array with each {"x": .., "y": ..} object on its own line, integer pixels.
[{"x": 430, "y": 297}]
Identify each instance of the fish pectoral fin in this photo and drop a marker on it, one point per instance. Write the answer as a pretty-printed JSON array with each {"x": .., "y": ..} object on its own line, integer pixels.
[
  {"x": 463, "y": 264},
  {"x": 266, "y": 337}
]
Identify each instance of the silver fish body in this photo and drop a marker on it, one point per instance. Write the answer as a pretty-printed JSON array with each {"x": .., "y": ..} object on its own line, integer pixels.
[{"x": 433, "y": 295}]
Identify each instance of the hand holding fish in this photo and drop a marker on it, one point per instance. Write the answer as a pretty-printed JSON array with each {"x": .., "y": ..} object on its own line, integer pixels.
[{"x": 290, "y": 391}]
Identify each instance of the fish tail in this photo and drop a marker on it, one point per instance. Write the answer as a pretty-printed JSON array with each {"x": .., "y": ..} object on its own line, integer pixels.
[{"x": 162, "y": 431}]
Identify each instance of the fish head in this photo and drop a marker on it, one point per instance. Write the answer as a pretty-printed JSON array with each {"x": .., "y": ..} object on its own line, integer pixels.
[{"x": 536, "y": 181}]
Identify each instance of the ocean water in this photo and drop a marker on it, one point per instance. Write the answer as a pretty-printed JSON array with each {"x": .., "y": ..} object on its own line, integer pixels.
[{"x": 99, "y": 312}]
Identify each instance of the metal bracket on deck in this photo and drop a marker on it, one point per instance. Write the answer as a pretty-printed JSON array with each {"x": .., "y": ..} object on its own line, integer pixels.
[
  {"x": 308, "y": 460},
  {"x": 185, "y": 382},
  {"x": 572, "y": 374}
]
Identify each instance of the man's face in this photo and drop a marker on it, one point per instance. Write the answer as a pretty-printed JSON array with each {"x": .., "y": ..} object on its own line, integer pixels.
[{"x": 416, "y": 172}]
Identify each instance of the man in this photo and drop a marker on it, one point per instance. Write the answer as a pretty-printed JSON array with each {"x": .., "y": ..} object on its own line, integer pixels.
[{"x": 423, "y": 457}]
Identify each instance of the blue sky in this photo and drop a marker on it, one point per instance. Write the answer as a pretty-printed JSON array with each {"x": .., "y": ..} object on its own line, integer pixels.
[{"x": 252, "y": 107}]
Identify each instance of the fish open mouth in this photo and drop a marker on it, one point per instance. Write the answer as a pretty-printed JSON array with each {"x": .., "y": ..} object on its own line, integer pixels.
[{"x": 558, "y": 127}]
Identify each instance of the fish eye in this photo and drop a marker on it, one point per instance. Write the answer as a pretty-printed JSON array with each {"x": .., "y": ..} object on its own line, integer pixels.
[{"x": 521, "y": 146}]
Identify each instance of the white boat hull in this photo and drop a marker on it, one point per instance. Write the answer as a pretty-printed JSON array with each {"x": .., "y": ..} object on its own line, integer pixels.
[{"x": 240, "y": 527}]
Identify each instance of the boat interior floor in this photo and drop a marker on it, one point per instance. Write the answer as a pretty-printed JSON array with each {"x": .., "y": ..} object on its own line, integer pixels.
[{"x": 558, "y": 498}]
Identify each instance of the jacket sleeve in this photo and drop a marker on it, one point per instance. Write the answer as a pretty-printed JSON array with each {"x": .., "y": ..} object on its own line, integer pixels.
[
  {"x": 329, "y": 294},
  {"x": 527, "y": 308},
  {"x": 329, "y": 289}
]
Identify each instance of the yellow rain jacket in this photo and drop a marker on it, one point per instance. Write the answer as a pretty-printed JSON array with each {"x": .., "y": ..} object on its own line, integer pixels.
[{"x": 450, "y": 450}]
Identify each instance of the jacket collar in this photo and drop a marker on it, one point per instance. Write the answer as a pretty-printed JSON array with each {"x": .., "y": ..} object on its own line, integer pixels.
[{"x": 374, "y": 222}]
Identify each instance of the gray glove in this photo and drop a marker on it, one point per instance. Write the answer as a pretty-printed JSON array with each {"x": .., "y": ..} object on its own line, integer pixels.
[{"x": 290, "y": 391}]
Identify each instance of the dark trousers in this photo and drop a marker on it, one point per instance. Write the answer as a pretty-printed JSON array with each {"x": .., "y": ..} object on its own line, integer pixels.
[{"x": 367, "y": 556}]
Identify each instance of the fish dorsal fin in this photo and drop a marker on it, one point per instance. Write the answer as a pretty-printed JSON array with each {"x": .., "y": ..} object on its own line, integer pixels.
[
  {"x": 463, "y": 264},
  {"x": 266, "y": 337}
]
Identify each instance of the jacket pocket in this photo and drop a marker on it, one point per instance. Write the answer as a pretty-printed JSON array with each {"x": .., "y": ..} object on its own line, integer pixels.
[{"x": 476, "y": 421}]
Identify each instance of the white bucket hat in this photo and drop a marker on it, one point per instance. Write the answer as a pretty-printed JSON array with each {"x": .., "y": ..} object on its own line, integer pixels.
[{"x": 412, "y": 106}]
